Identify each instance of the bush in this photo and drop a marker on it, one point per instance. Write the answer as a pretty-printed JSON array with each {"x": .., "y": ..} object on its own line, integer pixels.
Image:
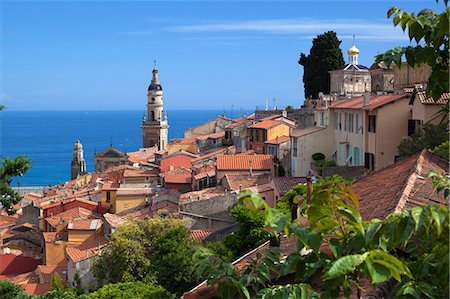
[
  {"x": 135, "y": 290},
  {"x": 442, "y": 150},
  {"x": 318, "y": 157}
]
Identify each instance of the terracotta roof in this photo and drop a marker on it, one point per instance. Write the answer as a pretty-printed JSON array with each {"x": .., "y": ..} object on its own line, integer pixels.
[
  {"x": 140, "y": 173},
  {"x": 242, "y": 162},
  {"x": 306, "y": 131},
  {"x": 86, "y": 250},
  {"x": 211, "y": 136},
  {"x": 110, "y": 186},
  {"x": 199, "y": 235},
  {"x": 37, "y": 288},
  {"x": 85, "y": 224},
  {"x": 424, "y": 99},
  {"x": 266, "y": 124},
  {"x": 54, "y": 236},
  {"x": 261, "y": 188},
  {"x": 284, "y": 184},
  {"x": 240, "y": 182},
  {"x": 33, "y": 195},
  {"x": 143, "y": 155},
  {"x": 47, "y": 272},
  {"x": 210, "y": 173},
  {"x": 400, "y": 186},
  {"x": 6, "y": 221},
  {"x": 212, "y": 154},
  {"x": 376, "y": 101},
  {"x": 71, "y": 214},
  {"x": 279, "y": 140},
  {"x": 180, "y": 152},
  {"x": 204, "y": 194},
  {"x": 180, "y": 175},
  {"x": 114, "y": 220},
  {"x": 125, "y": 191},
  {"x": 189, "y": 140}
]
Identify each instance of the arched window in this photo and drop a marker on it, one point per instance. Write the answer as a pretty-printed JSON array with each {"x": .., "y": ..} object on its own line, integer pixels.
[{"x": 153, "y": 115}]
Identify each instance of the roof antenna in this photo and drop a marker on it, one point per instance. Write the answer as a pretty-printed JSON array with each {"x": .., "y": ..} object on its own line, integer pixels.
[{"x": 154, "y": 64}]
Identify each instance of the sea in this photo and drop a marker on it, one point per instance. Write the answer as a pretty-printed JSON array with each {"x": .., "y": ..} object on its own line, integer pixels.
[{"x": 47, "y": 137}]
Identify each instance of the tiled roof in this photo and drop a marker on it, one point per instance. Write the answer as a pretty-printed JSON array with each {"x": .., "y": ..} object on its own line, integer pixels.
[
  {"x": 189, "y": 140},
  {"x": 114, "y": 220},
  {"x": 204, "y": 194},
  {"x": 279, "y": 140},
  {"x": 86, "y": 250},
  {"x": 37, "y": 288},
  {"x": 143, "y": 155},
  {"x": 124, "y": 191},
  {"x": 85, "y": 224},
  {"x": 6, "y": 221},
  {"x": 284, "y": 184},
  {"x": 265, "y": 124},
  {"x": 199, "y": 235},
  {"x": 111, "y": 186},
  {"x": 180, "y": 152},
  {"x": 402, "y": 185},
  {"x": 424, "y": 99},
  {"x": 180, "y": 175},
  {"x": 210, "y": 173},
  {"x": 213, "y": 154},
  {"x": 140, "y": 173},
  {"x": 54, "y": 236},
  {"x": 306, "y": 131},
  {"x": 240, "y": 182},
  {"x": 376, "y": 101},
  {"x": 71, "y": 214},
  {"x": 261, "y": 188},
  {"x": 47, "y": 272},
  {"x": 212, "y": 136},
  {"x": 242, "y": 162}
]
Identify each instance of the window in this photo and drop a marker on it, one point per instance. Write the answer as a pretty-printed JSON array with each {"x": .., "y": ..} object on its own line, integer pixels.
[
  {"x": 345, "y": 122},
  {"x": 356, "y": 157},
  {"x": 336, "y": 126},
  {"x": 322, "y": 119},
  {"x": 272, "y": 150},
  {"x": 411, "y": 127},
  {"x": 357, "y": 124},
  {"x": 350, "y": 122},
  {"x": 340, "y": 121},
  {"x": 372, "y": 123},
  {"x": 153, "y": 115},
  {"x": 294, "y": 147},
  {"x": 369, "y": 161},
  {"x": 108, "y": 196}
]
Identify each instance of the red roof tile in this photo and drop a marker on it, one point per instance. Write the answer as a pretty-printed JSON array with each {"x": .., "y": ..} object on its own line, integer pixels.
[
  {"x": 47, "y": 272},
  {"x": 244, "y": 162},
  {"x": 85, "y": 224},
  {"x": 240, "y": 182},
  {"x": 72, "y": 214},
  {"x": 279, "y": 140},
  {"x": 199, "y": 235},
  {"x": 143, "y": 155},
  {"x": 140, "y": 173},
  {"x": 37, "y": 288},
  {"x": 211, "y": 136},
  {"x": 86, "y": 250},
  {"x": 213, "y": 154},
  {"x": 125, "y": 191},
  {"x": 402, "y": 185},
  {"x": 265, "y": 124},
  {"x": 376, "y": 101},
  {"x": 180, "y": 175},
  {"x": 284, "y": 184},
  {"x": 6, "y": 221}
]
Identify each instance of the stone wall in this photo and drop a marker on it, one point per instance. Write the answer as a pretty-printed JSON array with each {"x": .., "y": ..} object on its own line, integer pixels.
[{"x": 211, "y": 206}]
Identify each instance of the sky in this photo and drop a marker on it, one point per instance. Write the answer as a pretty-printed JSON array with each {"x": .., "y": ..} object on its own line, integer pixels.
[{"x": 84, "y": 55}]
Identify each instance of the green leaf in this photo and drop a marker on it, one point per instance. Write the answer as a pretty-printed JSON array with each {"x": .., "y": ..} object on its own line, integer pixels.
[
  {"x": 344, "y": 265},
  {"x": 276, "y": 220},
  {"x": 379, "y": 263}
]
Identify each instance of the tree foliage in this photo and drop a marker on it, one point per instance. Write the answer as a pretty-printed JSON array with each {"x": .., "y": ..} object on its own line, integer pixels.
[
  {"x": 9, "y": 290},
  {"x": 430, "y": 31},
  {"x": 325, "y": 55},
  {"x": 336, "y": 249},
  {"x": 135, "y": 290},
  {"x": 156, "y": 250},
  {"x": 427, "y": 136},
  {"x": 442, "y": 150}
]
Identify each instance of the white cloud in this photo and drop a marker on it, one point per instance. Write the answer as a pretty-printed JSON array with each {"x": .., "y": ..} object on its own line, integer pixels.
[{"x": 309, "y": 27}]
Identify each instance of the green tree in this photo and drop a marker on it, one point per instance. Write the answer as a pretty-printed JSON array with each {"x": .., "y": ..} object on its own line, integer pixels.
[
  {"x": 430, "y": 31},
  {"x": 442, "y": 150},
  {"x": 135, "y": 290},
  {"x": 10, "y": 168},
  {"x": 289, "y": 108},
  {"x": 156, "y": 250},
  {"x": 427, "y": 136},
  {"x": 56, "y": 282},
  {"x": 336, "y": 250},
  {"x": 325, "y": 55},
  {"x": 9, "y": 290}
]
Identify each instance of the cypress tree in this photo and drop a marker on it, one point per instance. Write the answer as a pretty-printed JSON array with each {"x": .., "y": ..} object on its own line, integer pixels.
[{"x": 325, "y": 55}]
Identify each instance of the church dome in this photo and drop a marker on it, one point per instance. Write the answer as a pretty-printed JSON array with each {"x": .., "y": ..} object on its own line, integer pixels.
[
  {"x": 154, "y": 87},
  {"x": 353, "y": 50}
]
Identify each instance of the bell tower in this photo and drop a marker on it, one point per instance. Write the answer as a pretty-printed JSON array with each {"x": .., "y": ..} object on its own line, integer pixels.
[
  {"x": 154, "y": 124},
  {"x": 78, "y": 166}
]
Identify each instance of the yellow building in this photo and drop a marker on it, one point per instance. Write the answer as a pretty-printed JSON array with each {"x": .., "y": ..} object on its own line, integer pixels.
[
  {"x": 263, "y": 131},
  {"x": 125, "y": 197}
]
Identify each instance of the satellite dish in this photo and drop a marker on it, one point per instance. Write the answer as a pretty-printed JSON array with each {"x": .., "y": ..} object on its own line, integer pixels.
[{"x": 321, "y": 95}]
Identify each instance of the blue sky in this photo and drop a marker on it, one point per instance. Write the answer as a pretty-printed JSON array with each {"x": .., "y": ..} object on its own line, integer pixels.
[{"x": 210, "y": 54}]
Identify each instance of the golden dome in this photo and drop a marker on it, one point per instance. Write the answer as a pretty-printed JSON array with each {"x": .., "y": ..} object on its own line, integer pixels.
[{"x": 353, "y": 50}]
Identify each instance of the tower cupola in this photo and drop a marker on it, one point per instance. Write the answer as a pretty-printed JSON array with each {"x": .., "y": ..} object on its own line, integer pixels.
[
  {"x": 353, "y": 53},
  {"x": 154, "y": 84}
]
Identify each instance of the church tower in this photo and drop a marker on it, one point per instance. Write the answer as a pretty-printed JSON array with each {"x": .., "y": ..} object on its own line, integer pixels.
[
  {"x": 154, "y": 125},
  {"x": 78, "y": 166}
]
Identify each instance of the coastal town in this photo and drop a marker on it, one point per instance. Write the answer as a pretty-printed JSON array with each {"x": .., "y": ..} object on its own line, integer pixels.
[{"x": 344, "y": 195}]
